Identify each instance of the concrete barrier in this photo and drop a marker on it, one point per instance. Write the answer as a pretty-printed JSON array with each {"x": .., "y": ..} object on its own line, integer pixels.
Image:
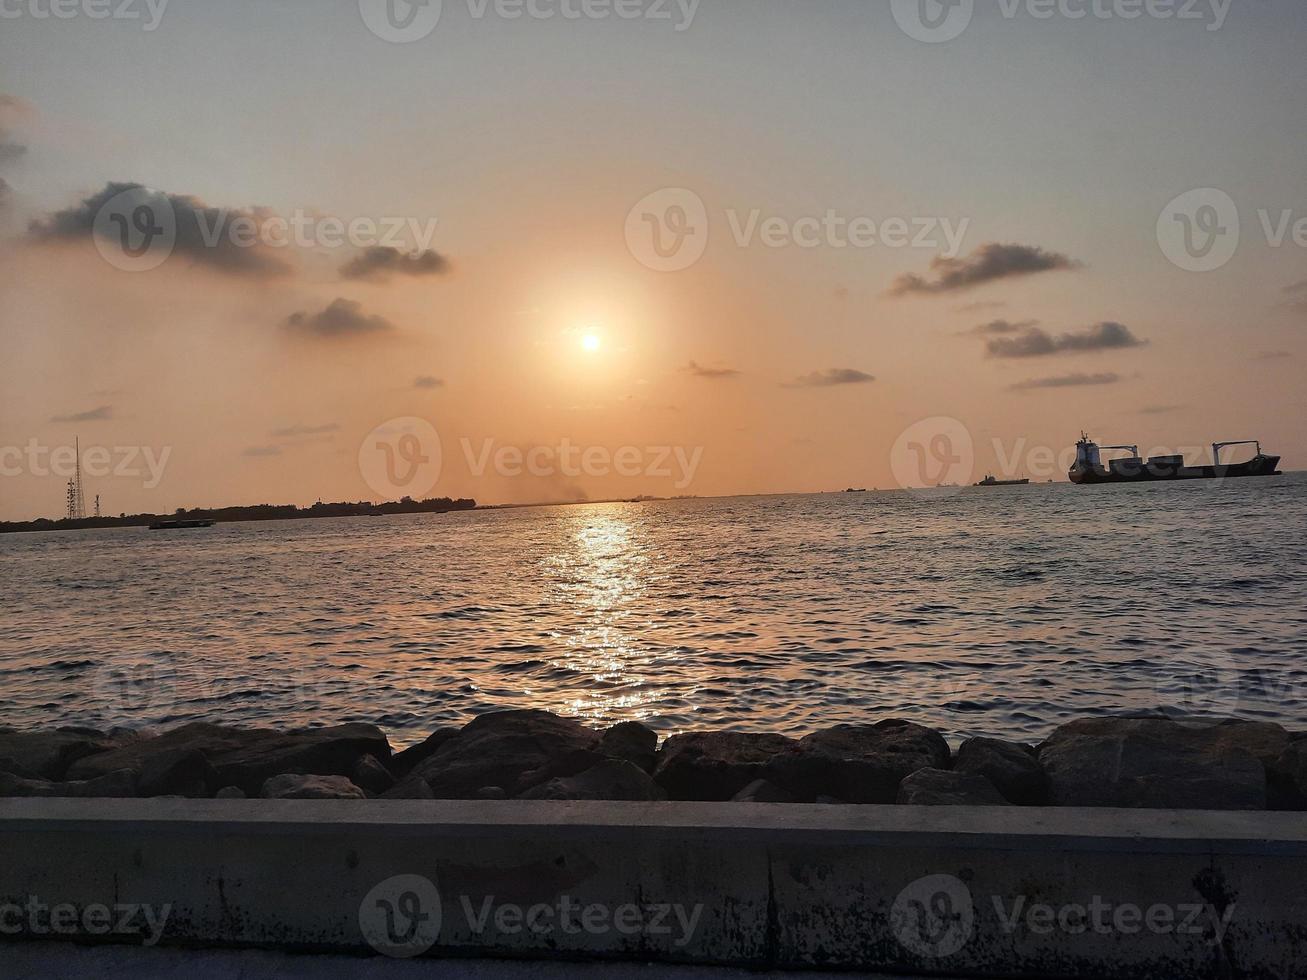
[{"x": 969, "y": 892}]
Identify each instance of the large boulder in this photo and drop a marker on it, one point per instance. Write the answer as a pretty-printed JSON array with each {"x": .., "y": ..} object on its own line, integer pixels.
[
  {"x": 859, "y": 763},
  {"x": 48, "y": 755},
  {"x": 246, "y": 758},
  {"x": 612, "y": 779},
  {"x": 937, "y": 787},
  {"x": 371, "y": 776},
  {"x": 114, "y": 785},
  {"x": 403, "y": 763},
  {"x": 715, "y": 766},
  {"x": 515, "y": 750},
  {"x": 295, "y": 786},
  {"x": 1013, "y": 769},
  {"x": 1158, "y": 763},
  {"x": 632, "y": 741}
]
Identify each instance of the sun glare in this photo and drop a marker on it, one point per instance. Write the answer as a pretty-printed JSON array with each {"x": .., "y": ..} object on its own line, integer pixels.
[{"x": 592, "y": 342}]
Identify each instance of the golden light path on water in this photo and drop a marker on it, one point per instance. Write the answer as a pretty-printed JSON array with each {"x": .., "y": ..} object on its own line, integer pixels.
[{"x": 602, "y": 579}]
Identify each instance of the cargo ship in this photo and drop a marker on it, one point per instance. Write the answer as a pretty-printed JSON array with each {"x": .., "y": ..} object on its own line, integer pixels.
[
  {"x": 1089, "y": 468},
  {"x": 993, "y": 481}
]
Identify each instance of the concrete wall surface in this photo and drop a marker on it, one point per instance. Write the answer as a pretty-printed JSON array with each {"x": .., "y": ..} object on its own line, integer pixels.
[{"x": 969, "y": 892}]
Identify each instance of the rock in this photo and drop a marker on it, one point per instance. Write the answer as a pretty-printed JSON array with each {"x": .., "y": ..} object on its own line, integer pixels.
[
  {"x": 940, "y": 787},
  {"x": 114, "y": 785},
  {"x": 48, "y": 755},
  {"x": 372, "y": 776},
  {"x": 762, "y": 791},
  {"x": 247, "y": 758},
  {"x": 1013, "y": 769},
  {"x": 612, "y": 779},
  {"x": 1288, "y": 778},
  {"x": 403, "y": 763},
  {"x": 1157, "y": 763},
  {"x": 182, "y": 772},
  {"x": 714, "y": 766},
  {"x": 296, "y": 786},
  {"x": 230, "y": 793},
  {"x": 632, "y": 741},
  {"x": 411, "y": 788},
  {"x": 515, "y": 750},
  {"x": 860, "y": 763},
  {"x": 492, "y": 793}
]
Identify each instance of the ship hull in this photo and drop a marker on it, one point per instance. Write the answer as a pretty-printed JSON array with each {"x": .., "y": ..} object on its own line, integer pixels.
[{"x": 1261, "y": 466}]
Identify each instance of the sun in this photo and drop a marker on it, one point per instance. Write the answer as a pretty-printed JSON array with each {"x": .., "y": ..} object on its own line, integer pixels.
[{"x": 591, "y": 342}]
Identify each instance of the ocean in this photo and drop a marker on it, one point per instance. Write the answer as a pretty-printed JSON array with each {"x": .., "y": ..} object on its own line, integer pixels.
[{"x": 999, "y": 612}]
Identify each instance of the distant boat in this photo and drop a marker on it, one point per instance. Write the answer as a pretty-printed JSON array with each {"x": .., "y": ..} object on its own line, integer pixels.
[
  {"x": 852, "y": 490},
  {"x": 180, "y": 525},
  {"x": 1088, "y": 468},
  {"x": 993, "y": 481}
]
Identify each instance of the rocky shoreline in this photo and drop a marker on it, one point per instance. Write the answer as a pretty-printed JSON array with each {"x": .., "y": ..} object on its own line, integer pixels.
[{"x": 1137, "y": 761}]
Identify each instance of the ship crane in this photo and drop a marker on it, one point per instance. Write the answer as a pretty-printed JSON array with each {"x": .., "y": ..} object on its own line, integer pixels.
[{"x": 1218, "y": 446}]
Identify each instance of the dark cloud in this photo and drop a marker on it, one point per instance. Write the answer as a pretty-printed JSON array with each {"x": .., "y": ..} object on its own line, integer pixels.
[
  {"x": 1033, "y": 341},
  {"x": 5, "y": 191},
  {"x": 295, "y": 431},
  {"x": 700, "y": 371},
  {"x": 380, "y": 263},
  {"x": 1161, "y": 409},
  {"x": 262, "y": 452},
  {"x": 208, "y": 236},
  {"x": 989, "y": 263},
  {"x": 833, "y": 378},
  {"x": 1068, "y": 381},
  {"x": 428, "y": 382},
  {"x": 343, "y": 318},
  {"x": 101, "y": 414}
]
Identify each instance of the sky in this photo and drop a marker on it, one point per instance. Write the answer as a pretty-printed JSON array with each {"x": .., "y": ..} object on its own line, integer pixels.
[{"x": 538, "y": 254}]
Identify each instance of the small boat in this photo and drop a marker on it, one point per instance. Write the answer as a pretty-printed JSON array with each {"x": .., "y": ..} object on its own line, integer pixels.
[
  {"x": 180, "y": 525},
  {"x": 993, "y": 481},
  {"x": 1088, "y": 468}
]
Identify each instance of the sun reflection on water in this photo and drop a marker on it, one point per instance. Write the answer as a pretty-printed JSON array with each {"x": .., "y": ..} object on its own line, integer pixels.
[{"x": 601, "y": 577}]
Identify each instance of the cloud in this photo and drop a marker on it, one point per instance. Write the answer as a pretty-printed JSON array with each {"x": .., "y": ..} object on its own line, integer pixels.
[
  {"x": 1067, "y": 381},
  {"x": 101, "y": 414},
  {"x": 380, "y": 263},
  {"x": 991, "y": 262},
  {"x": 208, "y": 236},
  {"x": 295, "y": 431},
  {"x": 1161, "y": 409},
  {"x": 982, "y": 306},
  {"x": 1032, "y": 341},
  {"x": 428, "y": 382},
  {"x": 343, "y": 318},
  {"x": 5, "y": 191},
  {"x": 700, "y": 371},
  {"x": 833, "y": 378},
  {"x": 262, "y": 452},
  {"x": 1273, "y": 355}
]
